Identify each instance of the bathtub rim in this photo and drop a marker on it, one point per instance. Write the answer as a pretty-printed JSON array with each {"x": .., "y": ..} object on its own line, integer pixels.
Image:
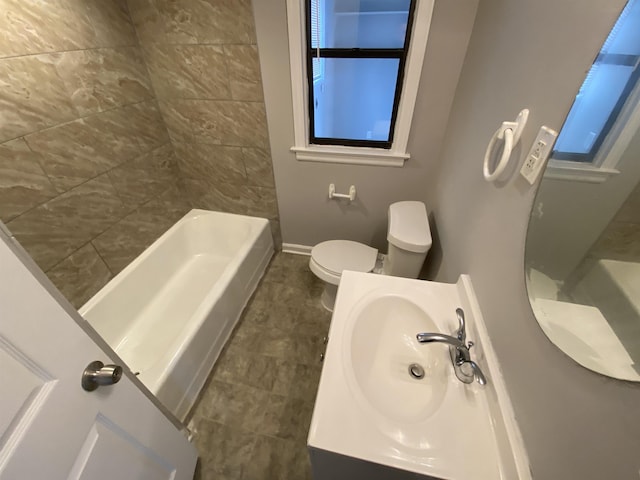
[{"x": 191, "y": 214}]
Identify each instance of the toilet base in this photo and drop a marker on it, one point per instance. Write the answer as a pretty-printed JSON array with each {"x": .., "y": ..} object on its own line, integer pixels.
[{"x": 328, "y": 298}]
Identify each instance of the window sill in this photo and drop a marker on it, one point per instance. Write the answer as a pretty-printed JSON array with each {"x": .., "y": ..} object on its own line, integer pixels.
[
  {"x": 577, "y": 172},
  {"x": 350, "y": 156}
]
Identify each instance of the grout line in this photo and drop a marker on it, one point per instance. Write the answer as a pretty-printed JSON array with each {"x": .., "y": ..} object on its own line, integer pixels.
[
  {"x": 253, "y": 448},
  {"x": 41, "y": 165},
  {"x": 88, "y": 180},
  {"x": 226, "y": 61},
  {"x": 117, "y": 107},
  {"x": 156, "y": 98},
  {"x": 53, "y": 52},
  {"x": 199, "y": 44},
  {"x": 76, "y": 251},
  {"x": 65, "y": 258},
  {"x": 228, "y": 145},
  {"x": 118, "y": 221},
  {"x": 170, "y": 99},
  {"x": 113, "y": 274}
]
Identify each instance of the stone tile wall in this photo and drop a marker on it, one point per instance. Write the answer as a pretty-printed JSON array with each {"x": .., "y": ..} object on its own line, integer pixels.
[
  {"x": 203, "y": 63},
  {"x": 621, "y": 239},
  {"x": 88, "y": 176}
]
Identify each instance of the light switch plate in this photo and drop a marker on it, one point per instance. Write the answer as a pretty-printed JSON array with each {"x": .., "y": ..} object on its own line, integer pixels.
[{"x": 539, "y": 153}]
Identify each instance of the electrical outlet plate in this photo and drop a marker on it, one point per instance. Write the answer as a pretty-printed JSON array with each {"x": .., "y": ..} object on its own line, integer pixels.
[{"x": 538, "y": 154}]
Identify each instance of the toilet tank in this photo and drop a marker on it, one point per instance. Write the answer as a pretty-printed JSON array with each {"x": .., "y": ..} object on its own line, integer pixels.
[{"x": 409, "y": 238}]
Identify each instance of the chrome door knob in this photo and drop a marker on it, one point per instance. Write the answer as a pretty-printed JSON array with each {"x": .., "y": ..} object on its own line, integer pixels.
[{"x": 97, "y": 374}]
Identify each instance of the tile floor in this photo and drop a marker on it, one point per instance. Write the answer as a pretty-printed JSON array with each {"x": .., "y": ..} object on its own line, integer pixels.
[{"x": 253, "y": 416}]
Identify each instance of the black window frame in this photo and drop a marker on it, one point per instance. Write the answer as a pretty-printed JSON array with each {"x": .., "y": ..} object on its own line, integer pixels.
[
  {"x": 399, "y": 53},
  {"x": 634, "y": 78}
]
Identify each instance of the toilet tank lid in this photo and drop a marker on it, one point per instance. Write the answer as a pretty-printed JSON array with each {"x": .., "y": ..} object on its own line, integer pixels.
[{"x": 409, "y": 226}]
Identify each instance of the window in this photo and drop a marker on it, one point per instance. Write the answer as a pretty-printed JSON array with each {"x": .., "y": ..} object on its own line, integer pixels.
[
  {"x": 603, "y": 94},
  {"x": 356, "y": 54},
  {"x": 355, "y": 69},
  {"x": 607, "y": 97}
]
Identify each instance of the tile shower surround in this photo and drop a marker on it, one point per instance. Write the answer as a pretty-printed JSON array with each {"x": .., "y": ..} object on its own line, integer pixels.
[
  {"x": 89, "y": 178},
  {"x": 252, "y": 419},
  {"x": 619, "y": 241},
  {"x": 89, "y": 175},
  {"x": 203, "y": 63},
  {"x": 83, "y": 147}
]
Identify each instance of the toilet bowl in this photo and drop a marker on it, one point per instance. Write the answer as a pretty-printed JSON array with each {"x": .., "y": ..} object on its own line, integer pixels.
[
  {"x": 409, "y": 240},
  {"x": 330, "y": 258}
]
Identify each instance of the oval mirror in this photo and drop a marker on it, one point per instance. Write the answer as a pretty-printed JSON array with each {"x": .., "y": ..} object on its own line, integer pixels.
[{"x": 582, "y": 259}]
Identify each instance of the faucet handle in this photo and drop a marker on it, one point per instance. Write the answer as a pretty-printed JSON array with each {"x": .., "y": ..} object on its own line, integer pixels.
[
  {"x": 470, "y": 344},
  {"x": 477, "y": 373},
  {"x": 462, "y": 331}
]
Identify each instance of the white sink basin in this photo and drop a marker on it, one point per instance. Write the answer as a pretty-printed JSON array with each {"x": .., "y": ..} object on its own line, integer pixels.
[
  {"x": 380, "y": 349},
  {"x": 373, "y": 420}
]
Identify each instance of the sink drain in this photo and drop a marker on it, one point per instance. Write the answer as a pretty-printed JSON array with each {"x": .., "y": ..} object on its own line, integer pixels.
[{"x": 416, "y": 371}]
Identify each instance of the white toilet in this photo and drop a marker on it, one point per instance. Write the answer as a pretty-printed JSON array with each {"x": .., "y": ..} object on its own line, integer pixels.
[{"x": 409, "y": 238}]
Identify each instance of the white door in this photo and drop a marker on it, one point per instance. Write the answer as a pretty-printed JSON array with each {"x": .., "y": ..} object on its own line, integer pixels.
[{"x": 50, "y": 427}]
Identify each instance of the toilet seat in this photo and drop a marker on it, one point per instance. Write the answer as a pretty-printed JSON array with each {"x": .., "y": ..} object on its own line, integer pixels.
[{"x": 330, "y": 258}]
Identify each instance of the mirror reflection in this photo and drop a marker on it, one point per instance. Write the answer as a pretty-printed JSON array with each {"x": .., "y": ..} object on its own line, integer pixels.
[{"x": 583, "y": 245}]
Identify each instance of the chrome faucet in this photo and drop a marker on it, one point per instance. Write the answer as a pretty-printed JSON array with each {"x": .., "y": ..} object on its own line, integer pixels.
[{"x": 465, "y": 368}]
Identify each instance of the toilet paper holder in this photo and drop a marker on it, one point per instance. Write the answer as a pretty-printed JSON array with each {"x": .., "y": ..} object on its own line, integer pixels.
[{"x": 351, "y": 195}]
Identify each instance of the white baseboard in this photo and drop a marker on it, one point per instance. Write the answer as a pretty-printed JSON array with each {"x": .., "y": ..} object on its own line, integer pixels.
[{"x": 297, "y": 249}]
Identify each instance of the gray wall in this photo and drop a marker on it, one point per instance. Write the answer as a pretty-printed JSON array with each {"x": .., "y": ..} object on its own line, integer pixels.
[
  {"x": 576, "y": 424},
  {"x": 307, "y": 215}
]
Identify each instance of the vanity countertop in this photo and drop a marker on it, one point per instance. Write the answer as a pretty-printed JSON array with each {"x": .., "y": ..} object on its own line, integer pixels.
[{"x": 441, "y": 428}]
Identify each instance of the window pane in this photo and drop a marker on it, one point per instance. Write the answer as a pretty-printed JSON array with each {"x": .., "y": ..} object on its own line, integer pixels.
[
  {"x": 624, "y": 38},
  {"x": 359, "y": 23},
  {"x": 348, "y": 104},
  {"x": 318, "y": 69},
  {"x": 604, "y": 91},
  {"x": 596, "y": 100}
]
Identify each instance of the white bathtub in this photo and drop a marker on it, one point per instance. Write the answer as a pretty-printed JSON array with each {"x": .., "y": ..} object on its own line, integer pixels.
[
  {"x": 615, "y": 284},
  {"x": 169, "y": 313}
]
